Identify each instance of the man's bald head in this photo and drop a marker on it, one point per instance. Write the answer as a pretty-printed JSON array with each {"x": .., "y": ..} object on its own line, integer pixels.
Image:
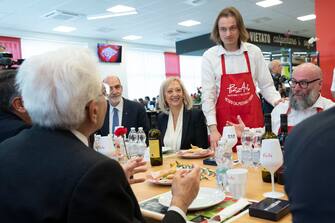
[
  {"x": 115, "y": 89},
  {"x": 112, "y": 79},
  {"x": 307, "y": 71}
]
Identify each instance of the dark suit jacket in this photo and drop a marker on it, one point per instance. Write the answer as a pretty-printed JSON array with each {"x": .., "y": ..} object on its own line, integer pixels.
[
  {"x": 309, "y": 174},
  {"x": 194, "y": 129},
  {"x": 10, "y": 125},
  {"x": 51, "y": 176},
  {"x": 133, "y": 115}
]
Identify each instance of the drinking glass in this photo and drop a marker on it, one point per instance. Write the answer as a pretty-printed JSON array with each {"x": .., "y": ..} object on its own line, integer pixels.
[
  {"x": 271, "y": 159},
  {"x": 229, "y": 134}
]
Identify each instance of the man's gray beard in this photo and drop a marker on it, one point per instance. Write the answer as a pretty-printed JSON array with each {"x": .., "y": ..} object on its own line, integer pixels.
[{"x": 305, "y": 102}]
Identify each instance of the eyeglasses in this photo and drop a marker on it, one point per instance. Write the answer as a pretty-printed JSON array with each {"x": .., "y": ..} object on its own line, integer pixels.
[{"x": 303, "y": 84}]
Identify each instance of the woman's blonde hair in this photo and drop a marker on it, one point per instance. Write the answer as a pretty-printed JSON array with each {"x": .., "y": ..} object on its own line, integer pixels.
[
  {"x": 230, "y": 12},
  {"x": 162, "y": 102}
]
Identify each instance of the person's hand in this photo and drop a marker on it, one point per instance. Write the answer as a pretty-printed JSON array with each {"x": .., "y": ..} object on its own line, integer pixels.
[
  {"x": 133, "y": 166},
  {"x": 279, "y": 101},
  {"x": 185, "y": 187},
  {"x": 239, "y": 127},
  {"x": 214, "y": 136}
]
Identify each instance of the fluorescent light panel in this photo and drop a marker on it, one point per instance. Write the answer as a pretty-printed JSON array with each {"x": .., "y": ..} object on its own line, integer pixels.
[
  {"x": 306, "y": 17},
  {"x": 109, "y": 15},
  {"x": 118, "y": 10},
  {"x": 132, "y": 37},
  {"x": 268, "y": 3},
  {"x": 121, "y": 9},
  {"x": 189, "y": 23},
  {"x": 64, "y": 29}
]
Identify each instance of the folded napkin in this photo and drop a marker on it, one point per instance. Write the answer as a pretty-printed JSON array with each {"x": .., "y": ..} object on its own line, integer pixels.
[{"x": 231, "y": 210}]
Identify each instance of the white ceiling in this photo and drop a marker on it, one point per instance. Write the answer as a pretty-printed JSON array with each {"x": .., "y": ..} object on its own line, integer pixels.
[{"x": 156, "y": 20}]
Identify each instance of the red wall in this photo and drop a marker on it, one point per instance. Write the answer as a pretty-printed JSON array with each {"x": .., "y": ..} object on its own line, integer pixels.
[{"x": 325, "y": 16}]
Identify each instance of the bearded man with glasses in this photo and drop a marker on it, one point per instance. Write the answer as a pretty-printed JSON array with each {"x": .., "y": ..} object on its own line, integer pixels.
[{"x": 305, "y": 98}]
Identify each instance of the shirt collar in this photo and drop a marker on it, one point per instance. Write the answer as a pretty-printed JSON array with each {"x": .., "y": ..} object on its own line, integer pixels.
[
  {"x": 241, "y": 50},
  {"x": 318, "y": 103},
  {"x": 119, "y": 106},
  {"x": 80, "y": 136}
]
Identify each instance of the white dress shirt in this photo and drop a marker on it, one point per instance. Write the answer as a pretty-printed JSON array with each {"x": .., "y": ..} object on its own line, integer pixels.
[
  {"x": 111, "y": 113},
  {"x": 173, "y": 135},
  {"x": 235, "y": 62},
  {"x": 294, "y": 117}
]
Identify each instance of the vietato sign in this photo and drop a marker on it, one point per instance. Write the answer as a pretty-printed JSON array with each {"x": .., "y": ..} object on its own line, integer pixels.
[{"x": 277, "y": 39}]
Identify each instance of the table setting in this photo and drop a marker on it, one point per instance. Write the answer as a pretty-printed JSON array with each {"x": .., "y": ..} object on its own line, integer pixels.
[{"x": 244, "y": 182}]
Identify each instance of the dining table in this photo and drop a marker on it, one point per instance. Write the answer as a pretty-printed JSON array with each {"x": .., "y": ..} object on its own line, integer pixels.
[{"x": 254, "y": 189}]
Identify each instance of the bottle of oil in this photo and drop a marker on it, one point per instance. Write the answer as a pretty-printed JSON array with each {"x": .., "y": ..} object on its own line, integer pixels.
[
  {"x": 266, "y": 176},
  {"x": 155, "y": 147}
]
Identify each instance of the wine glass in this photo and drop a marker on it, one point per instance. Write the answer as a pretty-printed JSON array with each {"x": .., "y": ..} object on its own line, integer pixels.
[
  {"x": 229, "y": 134},
  {"x": 271, "y": 158}
]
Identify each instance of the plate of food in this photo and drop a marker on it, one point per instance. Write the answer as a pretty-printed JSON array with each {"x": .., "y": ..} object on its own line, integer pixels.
[
  {"x": 165, "y": 177},
  {"x": 195, "y": 152},
  {"x": 206, "y": 197}
]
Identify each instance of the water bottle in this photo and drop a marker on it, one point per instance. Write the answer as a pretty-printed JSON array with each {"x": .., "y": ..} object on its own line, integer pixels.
[
  {"x": 141, "y": 135},
  {"x": 256, "y": 151},
  {"x": 246, "y": 140},
  {"x": 133, "y": 138},
  {"x": 97, "y": 144},
  {"x": 223, "y": 158},
  {"x": 141, "y": 145}
]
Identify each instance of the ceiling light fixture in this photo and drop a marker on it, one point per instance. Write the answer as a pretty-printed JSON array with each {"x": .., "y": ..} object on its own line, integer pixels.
[
  {"x": 109, "y": 15},
  {"x": 120, "y": 9},
  {"x": 132, "y": 37},
  {"x": 64, "y": 29},
  {"x": 268, "y": 3},
  {"x": 306, "y": 17},
  {"x": 189, "y": 23}
]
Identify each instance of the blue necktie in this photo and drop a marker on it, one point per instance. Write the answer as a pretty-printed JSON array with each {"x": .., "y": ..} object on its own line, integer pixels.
[{"x": 115, "y": 119}]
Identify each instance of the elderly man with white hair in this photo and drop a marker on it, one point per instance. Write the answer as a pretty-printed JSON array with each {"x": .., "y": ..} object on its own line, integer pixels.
[{"x": 49, "y": 174}]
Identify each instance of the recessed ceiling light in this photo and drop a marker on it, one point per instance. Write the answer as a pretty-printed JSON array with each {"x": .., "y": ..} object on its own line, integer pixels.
[
  {"x": 132, "y": 37},
  {"x": 189, "y": 23},
  {"x": 120, "y": 9},
  {"x": 306, "y": 17},
  {"x": 109, "y": 15},
  {"x": 64, "y": 29},
  {"x": 268, "y": 3}
]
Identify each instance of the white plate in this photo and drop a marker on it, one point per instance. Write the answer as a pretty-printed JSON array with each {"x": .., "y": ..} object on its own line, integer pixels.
[
  {"x": 207, "y": 197},
  {"x": 201, "y": 154},
  {"x": 166, "y": 149}
]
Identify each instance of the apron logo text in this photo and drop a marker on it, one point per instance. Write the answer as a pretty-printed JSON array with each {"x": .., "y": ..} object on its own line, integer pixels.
[{"x": 233, "y": 89}]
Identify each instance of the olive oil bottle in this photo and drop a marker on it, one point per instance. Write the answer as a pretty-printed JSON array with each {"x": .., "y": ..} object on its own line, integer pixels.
[{"x": 155, "y": 147}]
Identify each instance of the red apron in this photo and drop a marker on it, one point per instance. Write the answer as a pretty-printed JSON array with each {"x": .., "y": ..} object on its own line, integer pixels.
[
  {"x": 238, "y": 97},
  {"x": 290, "y": 127}
]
